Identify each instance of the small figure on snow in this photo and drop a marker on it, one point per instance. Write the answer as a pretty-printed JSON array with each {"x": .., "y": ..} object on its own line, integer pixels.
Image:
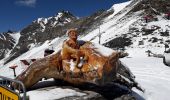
[
  {"x": 148, "y": 18},
  {"x": 149, "y": 53},
  {"x": 168, "y": 15},
  {"x": 166, "y": 47}
]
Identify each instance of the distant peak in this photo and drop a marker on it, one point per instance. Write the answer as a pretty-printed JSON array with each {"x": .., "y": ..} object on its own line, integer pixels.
[
  {"x": 9, "y": 31},
  {"x": 59, "y": 15},
  {"x": 64, "y": 13}
]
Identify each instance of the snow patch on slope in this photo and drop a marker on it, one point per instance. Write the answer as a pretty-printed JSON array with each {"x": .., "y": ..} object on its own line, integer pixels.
[
  {"x": 16, "y": 37},
  {"x": 42, "y": 20},
  {"x": 118, "y": 7}
]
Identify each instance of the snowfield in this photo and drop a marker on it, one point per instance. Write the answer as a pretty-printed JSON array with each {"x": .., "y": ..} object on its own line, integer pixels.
[{"x": 151, "y": 74}]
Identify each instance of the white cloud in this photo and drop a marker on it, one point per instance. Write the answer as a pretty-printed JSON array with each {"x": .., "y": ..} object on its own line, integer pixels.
[{"x": 29, "y": 3}]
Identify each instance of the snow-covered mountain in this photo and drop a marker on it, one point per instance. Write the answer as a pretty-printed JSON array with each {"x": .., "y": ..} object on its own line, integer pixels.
[
  {"x": 129, "y": 25},
  {"x": 122, "y": 26},
  {"x": 8, "y": 41},
  {"x": 44, "y": 29},
  {"x": 60, "y": 19},
  {"x": 41, "y": 30},
  {"x": 13, "y": 44}
]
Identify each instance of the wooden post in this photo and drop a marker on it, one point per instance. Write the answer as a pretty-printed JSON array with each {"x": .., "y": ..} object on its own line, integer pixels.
[
  {"x": 14, "y": 67},
  {"x": 99, "y": 34},
  {"x": 14, "y": 73}
]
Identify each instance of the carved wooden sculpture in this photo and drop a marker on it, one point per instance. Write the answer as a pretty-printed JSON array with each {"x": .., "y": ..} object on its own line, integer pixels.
[{"x": 98, "y": 69}]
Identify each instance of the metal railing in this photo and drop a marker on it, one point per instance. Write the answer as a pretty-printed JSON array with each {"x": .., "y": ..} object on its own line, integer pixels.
[{"x": 6, "y": 83}]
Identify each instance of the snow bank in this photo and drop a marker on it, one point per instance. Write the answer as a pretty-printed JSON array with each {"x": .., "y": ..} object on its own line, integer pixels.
[
  {"x": 103, "y": 50},
  {"x": 52, "y": 93}
]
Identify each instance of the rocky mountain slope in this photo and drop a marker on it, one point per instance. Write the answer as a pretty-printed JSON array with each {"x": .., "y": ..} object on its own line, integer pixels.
[
  {"x": 8, "y": 41},
  {"x": 128, "y": 27},
  {"x": 44, "y": 29}
]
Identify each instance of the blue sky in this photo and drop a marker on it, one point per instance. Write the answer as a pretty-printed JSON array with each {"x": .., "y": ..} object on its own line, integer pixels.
[{"x": 17, "y": 14}]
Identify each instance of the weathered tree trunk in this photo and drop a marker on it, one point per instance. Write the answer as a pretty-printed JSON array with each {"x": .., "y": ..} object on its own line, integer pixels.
[{"x": 98, "y": 69}]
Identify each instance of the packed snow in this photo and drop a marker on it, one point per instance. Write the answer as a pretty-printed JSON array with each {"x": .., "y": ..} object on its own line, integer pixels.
[{"x": 52, "y": 93}]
